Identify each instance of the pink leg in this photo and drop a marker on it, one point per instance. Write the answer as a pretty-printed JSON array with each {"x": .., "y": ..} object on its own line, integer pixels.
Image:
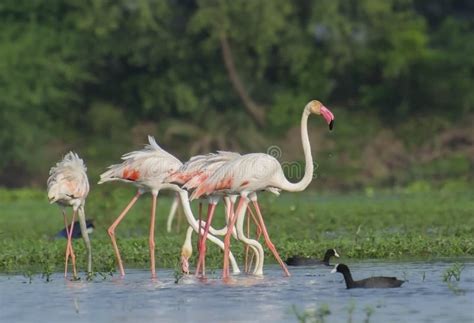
[
  {"x": 257, "y": 224},
  {"x": 152, "y": 237},
  {"x": 259, "y": 232},
  {"x": 268, "y": 241},
  {"x": 202, "y": 250},
  {"x": 69, "y": 246},
  {"x": 233, "y": 218},
  {"x": 247, "y": 247},
  {"x": 199, "y": 229},
  {"x": 111, "y": 231}
]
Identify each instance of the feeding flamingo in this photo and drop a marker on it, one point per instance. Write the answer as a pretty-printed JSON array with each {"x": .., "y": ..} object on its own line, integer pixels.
[
  {"x": 147, "y": 169},
  {"x": 68, "y": 186},
  {"x": 255, "y": 172},
  {"x": 190, "y": 175}
]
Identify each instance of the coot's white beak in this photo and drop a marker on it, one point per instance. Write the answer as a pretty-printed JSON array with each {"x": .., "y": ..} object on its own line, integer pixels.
[
  {"x": 334, "y": 270},
  {"x": 336, "y": 254}
]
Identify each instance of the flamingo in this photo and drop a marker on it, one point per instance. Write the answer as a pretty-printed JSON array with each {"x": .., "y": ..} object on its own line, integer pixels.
[
  {"x": 68, "y": 186},
  {"x": 255, "y": 172},
  {"x": 148, "y": 169},
  {"x": 190, "y": 175}
]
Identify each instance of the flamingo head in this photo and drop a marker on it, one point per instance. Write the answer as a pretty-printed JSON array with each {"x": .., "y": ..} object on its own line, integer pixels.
[
  {"x": 184, "y": 265},
  {"x": 185, "y": 255},
  {"x": 318, "y": 108}
]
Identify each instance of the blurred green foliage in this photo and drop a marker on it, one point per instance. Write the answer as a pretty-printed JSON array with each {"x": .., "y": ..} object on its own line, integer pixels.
[{"x": 98, "y": 75}]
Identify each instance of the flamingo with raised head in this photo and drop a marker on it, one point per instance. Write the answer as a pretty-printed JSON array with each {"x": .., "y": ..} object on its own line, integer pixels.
[
  {"x": 68, "y": 186},
  {"x": 255, "y": 172}
]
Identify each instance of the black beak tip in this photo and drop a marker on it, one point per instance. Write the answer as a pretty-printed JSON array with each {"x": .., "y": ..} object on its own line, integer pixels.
[{"x": 331, "y": 124}]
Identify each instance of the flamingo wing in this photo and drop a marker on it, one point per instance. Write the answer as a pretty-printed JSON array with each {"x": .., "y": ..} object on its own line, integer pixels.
[
  {"x": 151, "y": 163},
  {"x": 248, "y": 172}
]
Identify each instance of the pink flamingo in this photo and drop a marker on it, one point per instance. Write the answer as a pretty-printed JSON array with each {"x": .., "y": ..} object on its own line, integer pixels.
[
  {"x": 255, "y": 172},
  {"x": 68, "y": 186},
  {"x": 148, "y": 169},
  {"x": 190, "y": 175}
]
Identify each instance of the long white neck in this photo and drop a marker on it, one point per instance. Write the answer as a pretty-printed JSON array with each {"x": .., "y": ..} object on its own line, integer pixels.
[
  {"x": 187, "y": 248},
  {"x": 309, "y": 167}
]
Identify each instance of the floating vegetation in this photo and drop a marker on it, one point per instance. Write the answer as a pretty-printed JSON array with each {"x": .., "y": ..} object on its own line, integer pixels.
[{"x": 453, "y": 272}]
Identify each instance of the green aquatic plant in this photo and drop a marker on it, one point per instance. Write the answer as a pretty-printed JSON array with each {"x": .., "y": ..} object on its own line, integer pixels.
[
  {"x": 453, "y": 272},
  {"x": 47, "y": 273},
  {"x": 350, "y": 310},
  {"x": 369, "y": 310},
  {"x": 317, "y": 315},
  {"x": 29, "y": 275},
  {"x": 178, "y": 275}
]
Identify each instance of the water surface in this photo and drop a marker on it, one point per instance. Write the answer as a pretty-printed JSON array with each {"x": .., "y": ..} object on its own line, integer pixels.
[{"x": 136, "y": 298}]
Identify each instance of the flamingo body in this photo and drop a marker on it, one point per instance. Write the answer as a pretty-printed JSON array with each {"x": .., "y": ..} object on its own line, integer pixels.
[{"x": 68, "y": 185}]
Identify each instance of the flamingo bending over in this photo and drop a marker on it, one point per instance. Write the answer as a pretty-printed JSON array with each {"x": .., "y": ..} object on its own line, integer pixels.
[
  {"x": 68, "y": 186},
  {"x": 190, "y": 175},
  {"x": 148, "y": 170},
  {"x": 255, "y": 172}
]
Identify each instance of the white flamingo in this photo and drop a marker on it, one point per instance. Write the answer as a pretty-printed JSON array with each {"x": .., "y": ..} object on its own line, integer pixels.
[
  {"x": 255, "y": 172},
  {"x": 68, "y": 186}
]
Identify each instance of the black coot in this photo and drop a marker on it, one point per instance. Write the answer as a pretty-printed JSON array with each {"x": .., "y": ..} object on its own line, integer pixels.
[
  {"x": 307, "y": 261},
  {"x": 372, "y": 282},
  {"x": 76, "y": 231}
]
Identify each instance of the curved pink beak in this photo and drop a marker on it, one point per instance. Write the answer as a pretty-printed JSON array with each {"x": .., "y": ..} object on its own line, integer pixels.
[{"x": 328, "y": 116}]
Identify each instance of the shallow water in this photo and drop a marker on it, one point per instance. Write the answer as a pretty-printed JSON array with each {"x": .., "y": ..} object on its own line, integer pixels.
[{"x": 136, "y": 298}]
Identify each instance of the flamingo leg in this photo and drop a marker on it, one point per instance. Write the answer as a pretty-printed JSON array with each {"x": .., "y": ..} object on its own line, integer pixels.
[
  {"x": 268, "y": 241},
  {"x": 258, "y": 233},
  {"x": 247, "y": 247},
  {"x": 111, "y": 230},
  {"x": 192, "y": 221},
  {"x": 199, "y": 228},
  {"x": 233, "y": 218},
  {"x": 151, "y": 240},
  {"x": 257, "y": 224},
  {"x": 202, "y": 250},
  {"x": 254, "y": 244},
  {"x": 85, "y": 237},
  {"x": 69, "y": 246}
]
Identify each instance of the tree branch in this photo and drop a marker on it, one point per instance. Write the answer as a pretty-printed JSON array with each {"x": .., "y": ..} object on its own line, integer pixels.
[{"x": 256, "y": 111}]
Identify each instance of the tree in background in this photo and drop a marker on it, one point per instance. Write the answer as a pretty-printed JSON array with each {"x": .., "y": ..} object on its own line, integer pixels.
[{"x": 206, "y": 74}]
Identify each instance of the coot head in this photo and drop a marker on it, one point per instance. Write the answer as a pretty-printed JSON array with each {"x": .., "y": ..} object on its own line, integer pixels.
[
  {"x": 340, "y": 268},
  {"x": 331, "y": 253}
]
